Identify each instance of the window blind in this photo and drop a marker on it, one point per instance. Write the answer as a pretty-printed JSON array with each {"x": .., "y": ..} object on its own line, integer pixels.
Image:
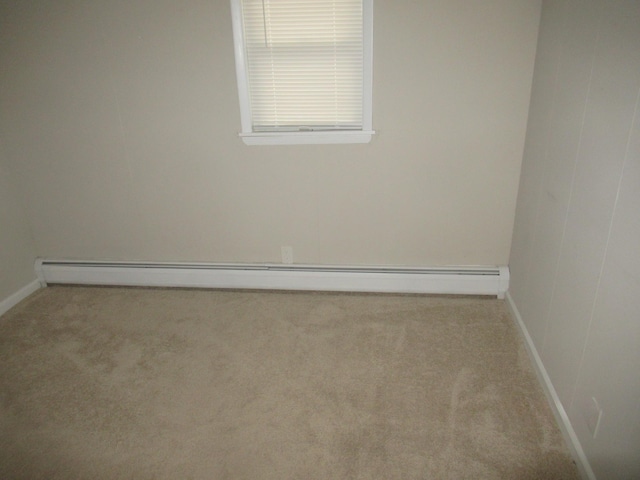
[{"x": 304, "y": 63}]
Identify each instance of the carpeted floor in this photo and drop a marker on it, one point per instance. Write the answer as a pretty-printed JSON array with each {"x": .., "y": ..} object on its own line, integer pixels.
[{"x": 116, "y": 383}]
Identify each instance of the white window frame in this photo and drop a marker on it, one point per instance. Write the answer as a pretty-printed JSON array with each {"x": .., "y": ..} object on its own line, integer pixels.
[{"x": 251, "y": 137}]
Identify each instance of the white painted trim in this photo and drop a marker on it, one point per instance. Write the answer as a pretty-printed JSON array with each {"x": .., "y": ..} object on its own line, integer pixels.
[
  {"x": 307, "y": 138},
  {"x": 241, "y": 75},
  {"x": 367, "y": 91},
  {"x": 554, "y": 400},
  {"x": 15, "y": 298},
  {"x": 441, "y": 280}
]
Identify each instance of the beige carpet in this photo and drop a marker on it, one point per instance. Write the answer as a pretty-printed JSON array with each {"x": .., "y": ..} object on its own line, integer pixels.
[{"x": 110, "y": 383}]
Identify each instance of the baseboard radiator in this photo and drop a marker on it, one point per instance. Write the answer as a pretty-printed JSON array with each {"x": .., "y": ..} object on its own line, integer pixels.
[{"x": 445, "y": 280}]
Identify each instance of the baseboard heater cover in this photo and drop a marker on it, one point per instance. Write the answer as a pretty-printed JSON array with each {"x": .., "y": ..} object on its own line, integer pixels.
[{"x": 439, "y": 280}]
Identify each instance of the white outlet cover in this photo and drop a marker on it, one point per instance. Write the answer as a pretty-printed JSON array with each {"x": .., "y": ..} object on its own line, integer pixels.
[{"x": 287, "y": 254}]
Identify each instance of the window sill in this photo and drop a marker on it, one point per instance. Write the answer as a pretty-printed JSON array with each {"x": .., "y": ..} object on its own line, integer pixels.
[{"x": 306, "y": 138}]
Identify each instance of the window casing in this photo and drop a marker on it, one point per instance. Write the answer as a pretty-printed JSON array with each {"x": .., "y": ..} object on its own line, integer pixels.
[{"x": 304, "y": 70}]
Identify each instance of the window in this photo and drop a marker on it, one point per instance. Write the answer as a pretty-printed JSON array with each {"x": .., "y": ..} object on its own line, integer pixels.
[{"x": 304, "y": 70}]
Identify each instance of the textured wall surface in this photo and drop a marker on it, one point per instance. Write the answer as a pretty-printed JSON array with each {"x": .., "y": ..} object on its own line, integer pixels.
[{"x": 575, "y": 261}]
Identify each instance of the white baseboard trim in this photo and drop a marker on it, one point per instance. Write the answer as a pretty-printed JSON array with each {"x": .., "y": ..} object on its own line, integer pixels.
[
  {"x": 458, "y": 280},
  {"x": 15, "y": 298},
  {"x": 556, "y": 405}
]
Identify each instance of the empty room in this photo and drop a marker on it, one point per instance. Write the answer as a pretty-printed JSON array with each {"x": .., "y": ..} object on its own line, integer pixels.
[{"x": 328, "y": 239}]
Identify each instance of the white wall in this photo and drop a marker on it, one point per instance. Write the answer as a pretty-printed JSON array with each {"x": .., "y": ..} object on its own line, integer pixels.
[
  {"x": 120, "y": 120},
  {"x": 17, "y": 253},
  {"x": 575, "y": 262}
]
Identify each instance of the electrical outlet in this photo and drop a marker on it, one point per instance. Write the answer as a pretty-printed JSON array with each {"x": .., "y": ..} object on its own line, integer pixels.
[
  {"x": 287, "y": 254},
  {"x": 593, "y": 415}
]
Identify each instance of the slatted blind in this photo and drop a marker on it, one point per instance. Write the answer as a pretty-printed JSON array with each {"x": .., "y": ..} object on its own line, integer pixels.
[{"x": 304, "y": 63}]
